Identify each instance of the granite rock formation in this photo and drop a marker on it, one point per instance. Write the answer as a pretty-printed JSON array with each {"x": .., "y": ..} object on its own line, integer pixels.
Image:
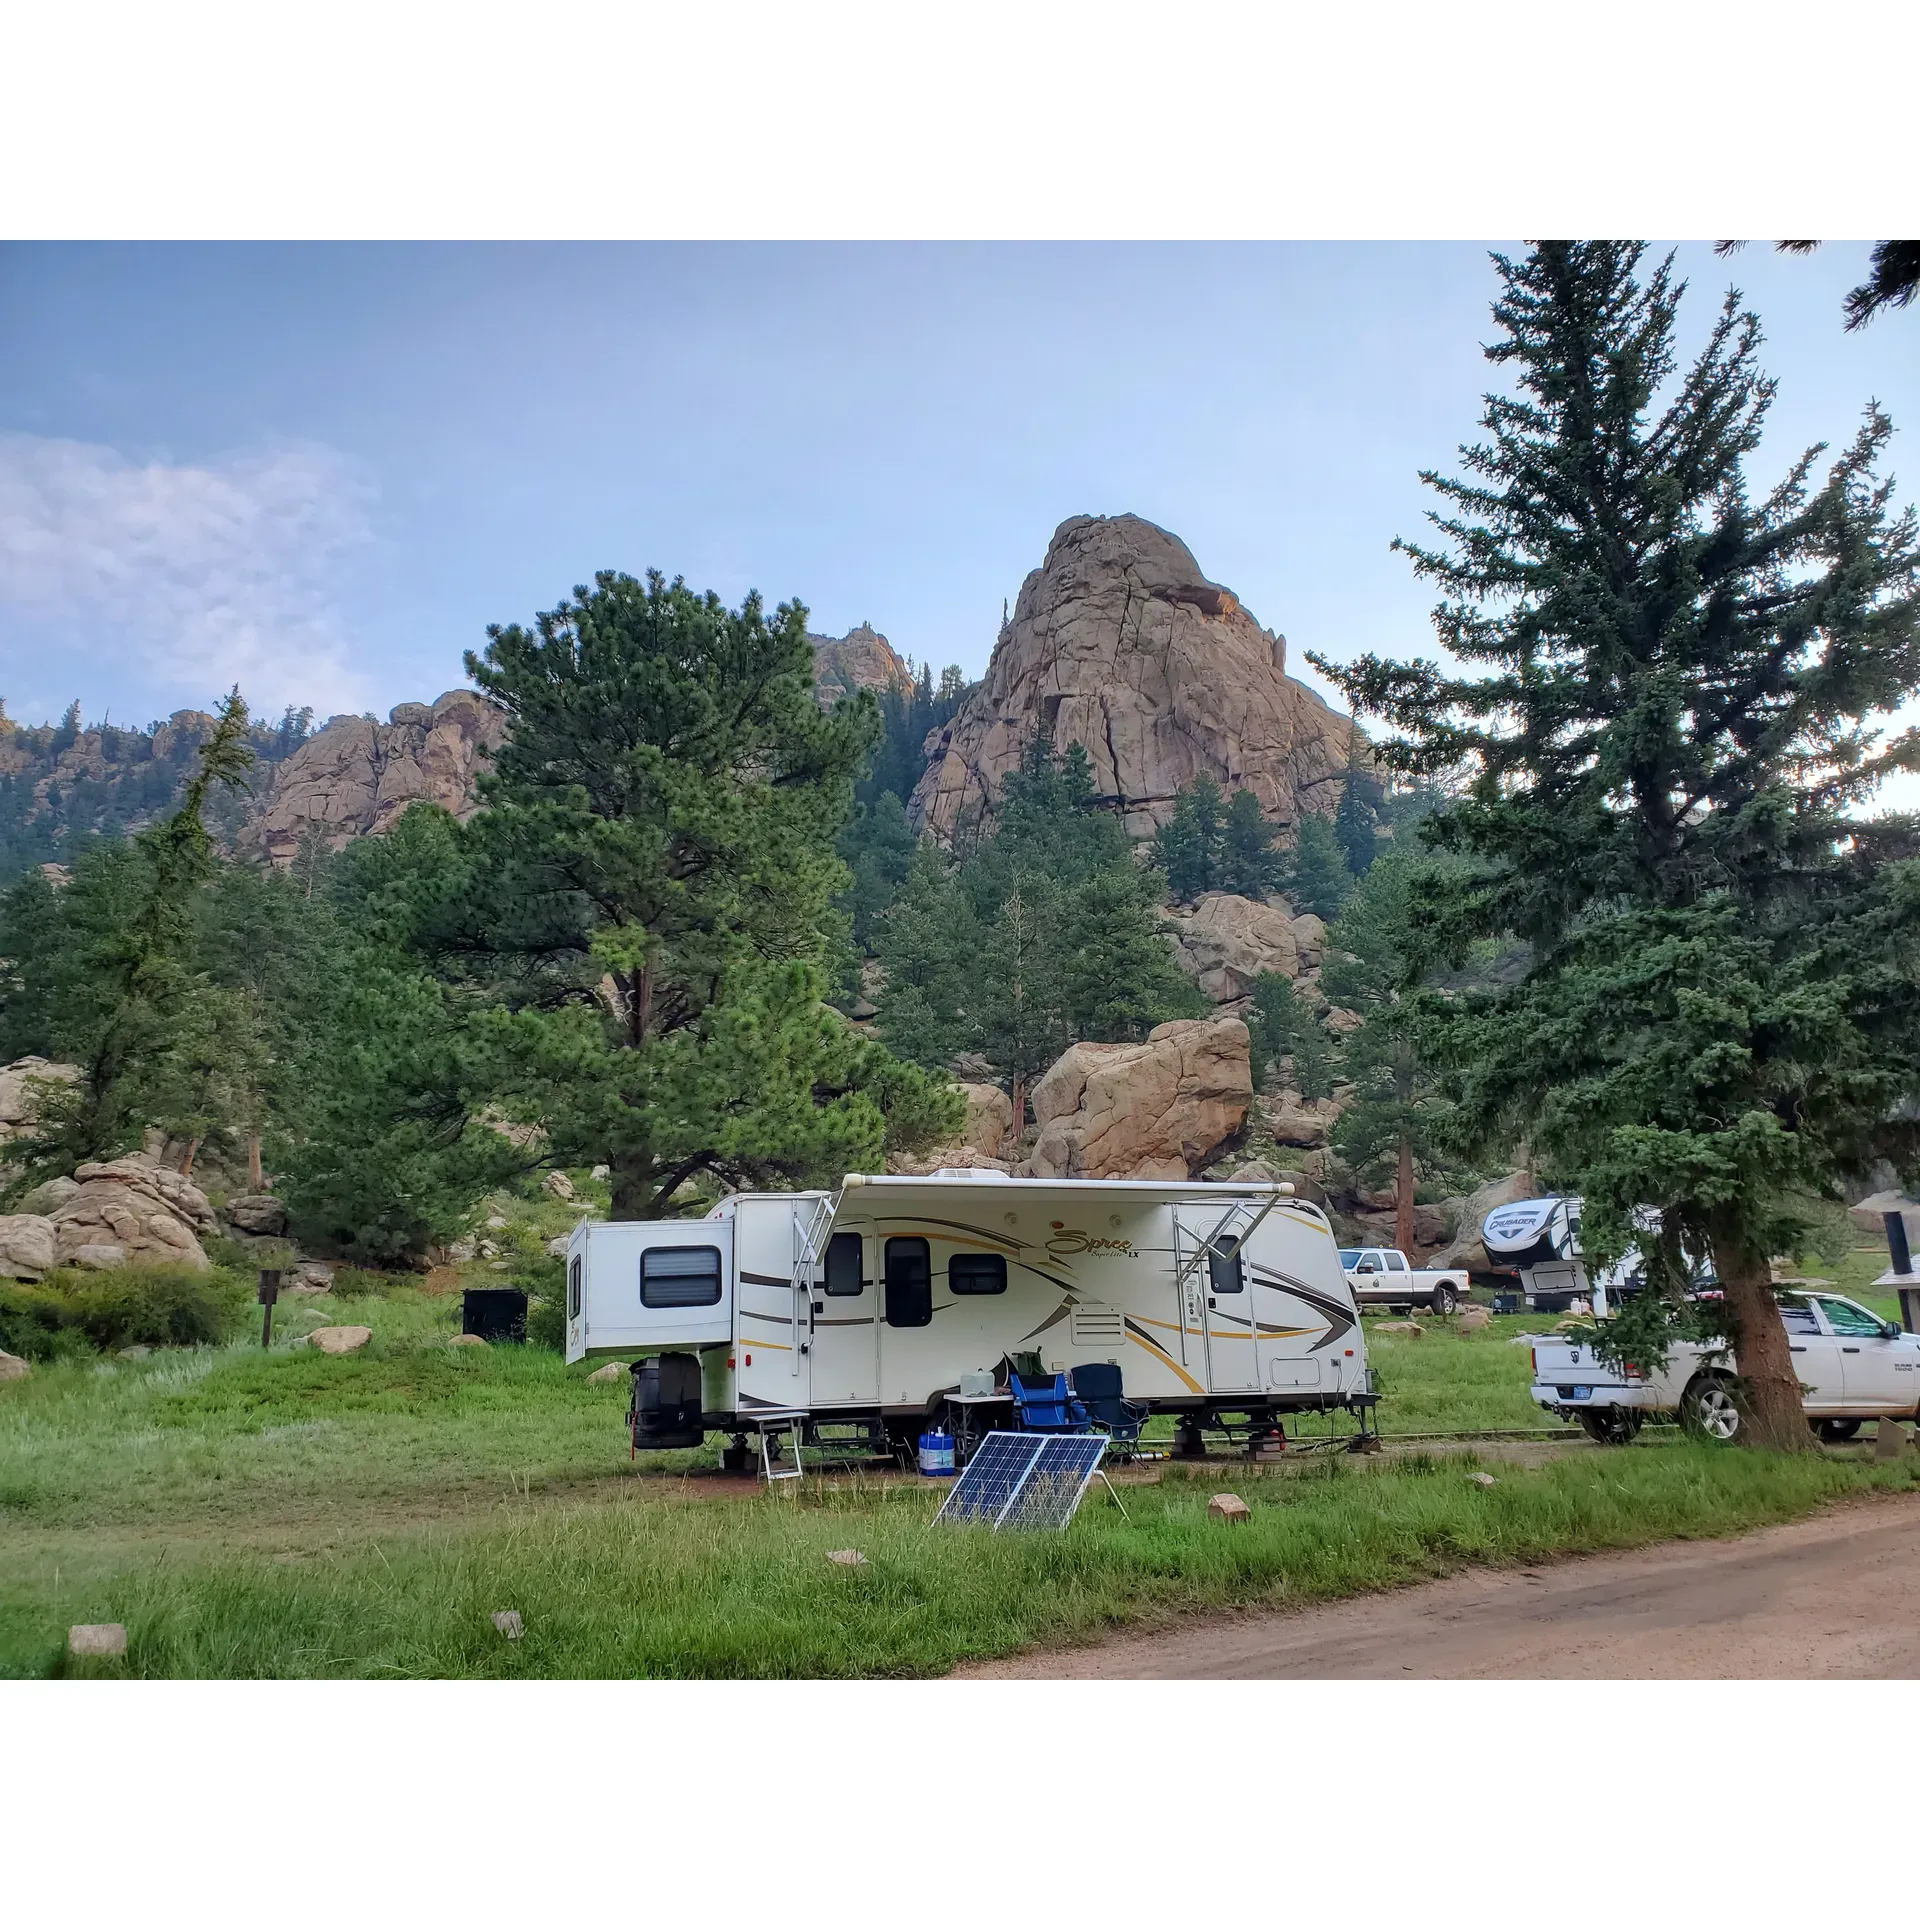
[
  {"x": 1120, "y": 644},
  {"x": 358, "y": 776},
  {"x": 1159, "y": 1109},
  {"x": 862, "y": 659},
  {"x": 120, "y": 1212}
]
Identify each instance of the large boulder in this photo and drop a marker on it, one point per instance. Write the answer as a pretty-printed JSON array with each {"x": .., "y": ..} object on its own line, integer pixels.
[
  {"x": 989, "y": 1120},
  {"x": 1300, "y": 1123},
  {"x": 1159, "y": 1109},
  {"x": 257, "y": 1214},
  {"x": 22, "y": 1086},
  {"x": 1227, "y": 941},
  {"x": 27, "y": 1246},
  {"x": 131, "y": 1210},
  {"x": 358, "y": 776},
  {"x": 1871, "y": 1214},
  {"x": 1466, "y": 1249},
  {"x": 1119, "y": 644}
]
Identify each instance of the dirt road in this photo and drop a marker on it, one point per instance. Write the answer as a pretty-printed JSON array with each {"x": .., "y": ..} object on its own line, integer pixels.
[{"x": 1834, "y": 1597}]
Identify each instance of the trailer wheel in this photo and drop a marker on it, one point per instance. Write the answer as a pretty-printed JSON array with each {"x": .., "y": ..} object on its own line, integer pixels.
[
  {"x": 1445, "y": 1298},
  {"x": 1710, "y": 1408},
  {"x": 1837, "y": 1429},
  {"x": 1611, "y": 1426}
]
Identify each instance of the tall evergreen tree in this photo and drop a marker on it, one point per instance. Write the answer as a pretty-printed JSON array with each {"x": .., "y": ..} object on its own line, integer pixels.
[
  {"x": 1356, "y": 819},
  {"x": 929, "y": 942},
  {"x": 1250, "y": 863},
  {"x": 130, "y": 1004},
  {"x": 647, "y": 896},
  {"x": 1318, "y": 875},
  {"x": 1401, "y": 1124},
  {"x": 1189, "y": 848},
  {"x": 1671, "y": 726}
]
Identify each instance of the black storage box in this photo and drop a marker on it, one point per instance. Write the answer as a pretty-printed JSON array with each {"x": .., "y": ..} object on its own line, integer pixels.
[{"x": 495, "y": 1313}]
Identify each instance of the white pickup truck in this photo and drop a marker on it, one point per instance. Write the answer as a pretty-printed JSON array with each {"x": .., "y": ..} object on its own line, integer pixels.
[
  {"x": 1853, "y": 1366},
  {"x": 1385, "y": 1276}
]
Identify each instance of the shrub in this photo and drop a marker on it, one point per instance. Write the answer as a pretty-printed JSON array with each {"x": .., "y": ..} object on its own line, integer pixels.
[
  {"x": 153, "y": 1306},
  {"x": 39, "y": 1323},
  {"x": 351, "y": 1281}
]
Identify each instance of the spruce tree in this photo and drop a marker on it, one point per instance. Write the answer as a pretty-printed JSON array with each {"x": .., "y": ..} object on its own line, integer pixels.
[
  {"x": 1188, "y": 847},
  {"x": 1355, "y": 820},
  {"x": 1401, "y": 1124},
  {"x": 929, "y": 946},
  {"x": 1250, "y": 863},
  {"x": 1318, "y": 875},
  {"x": 122, "y": 988},
  {"x": 1672, "y": 721}
]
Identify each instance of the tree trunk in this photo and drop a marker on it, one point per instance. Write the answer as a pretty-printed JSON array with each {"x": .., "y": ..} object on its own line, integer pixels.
[
  {"x": 1019, "y": 1111},
  {"x": 630, "y": 1183},
  {"x": 1403, "y": 1199},
  {"x": 186, "y": 1165},
  {"x": 1775, "y": 1410},
  {"x": 641, "y": 1006},
  {"x": 256, "y": 1179}
]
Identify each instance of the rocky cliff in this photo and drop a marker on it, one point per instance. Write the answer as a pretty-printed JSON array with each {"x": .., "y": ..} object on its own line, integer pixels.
[
  {"x": 1120, "y": 644},
  {"x": 862, "y": 659},
  {"x": 358, "y": 776}
]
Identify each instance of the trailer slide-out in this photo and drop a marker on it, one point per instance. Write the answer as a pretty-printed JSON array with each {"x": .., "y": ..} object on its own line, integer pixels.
[{"x": 861, "y": 1310}]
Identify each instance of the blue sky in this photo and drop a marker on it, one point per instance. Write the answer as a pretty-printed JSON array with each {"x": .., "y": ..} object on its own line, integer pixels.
[{"x": 323, "y": 470}]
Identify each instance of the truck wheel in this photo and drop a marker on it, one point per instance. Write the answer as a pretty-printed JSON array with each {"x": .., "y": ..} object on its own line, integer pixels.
[
  {"x": 1445, "y": 1298},
  {"x": 1710, "y": 1408},
  {"x": 1837, "y": 1429},
  {"x": 1611, "y": 1426}
]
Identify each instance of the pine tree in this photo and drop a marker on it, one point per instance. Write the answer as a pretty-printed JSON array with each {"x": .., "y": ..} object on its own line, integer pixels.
[
  {"x": 1670, "y": 728},
  {"x": 646, "y": 901}
]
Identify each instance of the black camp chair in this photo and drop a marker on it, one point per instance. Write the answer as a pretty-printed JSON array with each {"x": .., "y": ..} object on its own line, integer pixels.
[{"x": 1097, "y": 1387}]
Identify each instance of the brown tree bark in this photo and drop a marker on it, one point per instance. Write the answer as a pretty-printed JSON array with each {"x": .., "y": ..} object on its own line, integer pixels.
[
  {"x": 1774, "y": 1413},
  {"x": 1019, "y": 1112},
  {"x": 1403, "y": 1199},
  {"x": 186, "y": 1165},
  {"x": 256, "y": 1179}
]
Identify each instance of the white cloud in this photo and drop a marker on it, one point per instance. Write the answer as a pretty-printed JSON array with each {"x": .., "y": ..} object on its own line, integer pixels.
[{"x": 190, "y": 578}]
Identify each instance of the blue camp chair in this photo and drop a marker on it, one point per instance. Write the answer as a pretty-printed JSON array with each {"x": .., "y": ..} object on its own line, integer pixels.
[
  {"x": 1044, "y": 1403},
  {"x": 1097, "y": 1387}
]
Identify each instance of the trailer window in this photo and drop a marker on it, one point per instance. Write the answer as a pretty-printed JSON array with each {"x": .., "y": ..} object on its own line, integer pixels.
[
  {"x": 909, "y": 1283},
  {"x": 844, "y": 1276},
  {"x": 573, "y": 1288},
  {"x": 680, "y": 1277},
  {"x": 977, "y": 1273},
  {"x": 1223, "y": 1266}
]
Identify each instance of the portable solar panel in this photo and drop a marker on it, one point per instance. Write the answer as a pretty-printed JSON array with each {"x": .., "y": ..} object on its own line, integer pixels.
[{"x": 1024, "y": 1480}]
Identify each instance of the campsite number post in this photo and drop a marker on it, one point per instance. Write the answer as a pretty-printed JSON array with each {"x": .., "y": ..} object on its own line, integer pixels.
[{"x": 270, "y": 1278}]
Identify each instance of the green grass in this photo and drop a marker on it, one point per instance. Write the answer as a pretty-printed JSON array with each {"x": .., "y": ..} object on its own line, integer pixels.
[
  {"x": 743, "y": 1587},
  {"x": 293, "y": 1513}
]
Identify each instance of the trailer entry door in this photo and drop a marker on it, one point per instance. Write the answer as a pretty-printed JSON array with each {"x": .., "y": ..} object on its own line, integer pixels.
[
  {"x": 1220, "y": 1301},
  {"x": 846, "y": 1327}
]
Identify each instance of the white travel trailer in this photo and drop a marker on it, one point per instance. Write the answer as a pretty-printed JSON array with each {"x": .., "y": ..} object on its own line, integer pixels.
[
  {"x": 1540, "y": 1240},
  {"x": 864, "y": 1310}
]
